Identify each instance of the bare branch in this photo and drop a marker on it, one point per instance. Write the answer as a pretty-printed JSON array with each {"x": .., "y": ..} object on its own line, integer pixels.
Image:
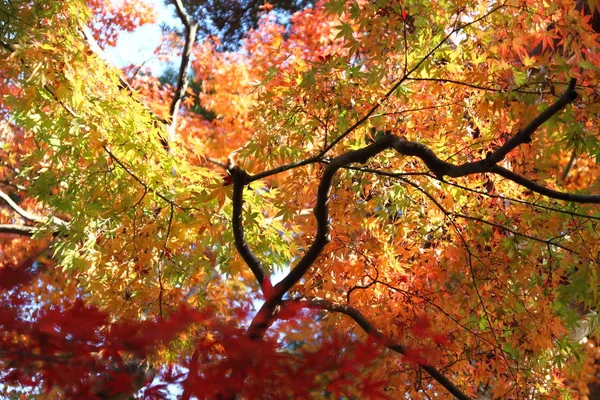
[
  {"x": 368, "y": 327},
  {"x": 14, "y": 229},
  {"x": 27, "y": 215}
]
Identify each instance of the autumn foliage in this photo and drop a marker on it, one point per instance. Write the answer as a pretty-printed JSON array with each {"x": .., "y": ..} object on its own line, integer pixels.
[{"x": 361, "y": 199}]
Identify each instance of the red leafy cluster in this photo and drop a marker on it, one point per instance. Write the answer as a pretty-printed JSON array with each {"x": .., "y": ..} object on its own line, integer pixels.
[
  {"x": 76, "y": 349},
  {"x": 73, "y": 346},
  {"x": 234, "y": 363}
]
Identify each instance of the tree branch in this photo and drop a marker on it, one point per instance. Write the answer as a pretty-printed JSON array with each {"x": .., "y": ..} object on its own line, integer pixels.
[
  {"x": 370, "y": 113},
  {"x": 537, "y": 188},
  {"x": 524, "y": 135},
  {"x": 284, "y": 168},
  {"x": 240, "y": 180},
  {"x": 14, "y": 229},
  {"x": 190, "y": 36},
  {"x": 27, "y": 215},
  {"x": 182, "y": 80},
  {"x": 437, "y": 166},
  {"x": 368, "y": 327}
]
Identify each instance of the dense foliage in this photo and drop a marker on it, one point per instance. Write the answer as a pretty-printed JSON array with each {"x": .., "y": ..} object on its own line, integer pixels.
[{"x": 380, "y": 199}]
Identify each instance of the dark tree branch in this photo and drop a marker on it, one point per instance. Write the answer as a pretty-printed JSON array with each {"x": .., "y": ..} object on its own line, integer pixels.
[
  {"x": 286, "y": 167},
  {"x": 524, "y": 135},
  {"x": 240, "y": 180},
  {"x": 537, "y": 188},
  {"x": 438, "y": 167},
  {"x": 368, "y": 327},
  {"x": 370, "y": 113}
]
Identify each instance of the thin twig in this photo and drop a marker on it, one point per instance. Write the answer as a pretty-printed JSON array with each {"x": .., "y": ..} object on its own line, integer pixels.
[
  {"x": 139, "y": 180},
  {"x": 370, "y": 329},
  {"x": 406, "y": 76}
]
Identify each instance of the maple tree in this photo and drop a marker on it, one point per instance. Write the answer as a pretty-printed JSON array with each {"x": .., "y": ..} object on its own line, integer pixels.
[{"x": 422, "y": 176}]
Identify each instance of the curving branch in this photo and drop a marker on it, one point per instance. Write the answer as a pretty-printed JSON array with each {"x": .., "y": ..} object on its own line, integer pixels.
[
  {"x": 27, "y": 215},
  {"x": 442, "y": 168},
  {"x": 240, "y": 180},
  {"x": 438, "y": 167},
  {"x": 370, "y": 329},
  {"x": 524, "y": 135},
  {"x": 371, "y": 112},
  {"x": 537, "y": 188}
]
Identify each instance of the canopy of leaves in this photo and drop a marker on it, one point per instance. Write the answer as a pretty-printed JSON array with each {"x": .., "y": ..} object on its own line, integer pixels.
[{"x": 378, "y": 199}]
